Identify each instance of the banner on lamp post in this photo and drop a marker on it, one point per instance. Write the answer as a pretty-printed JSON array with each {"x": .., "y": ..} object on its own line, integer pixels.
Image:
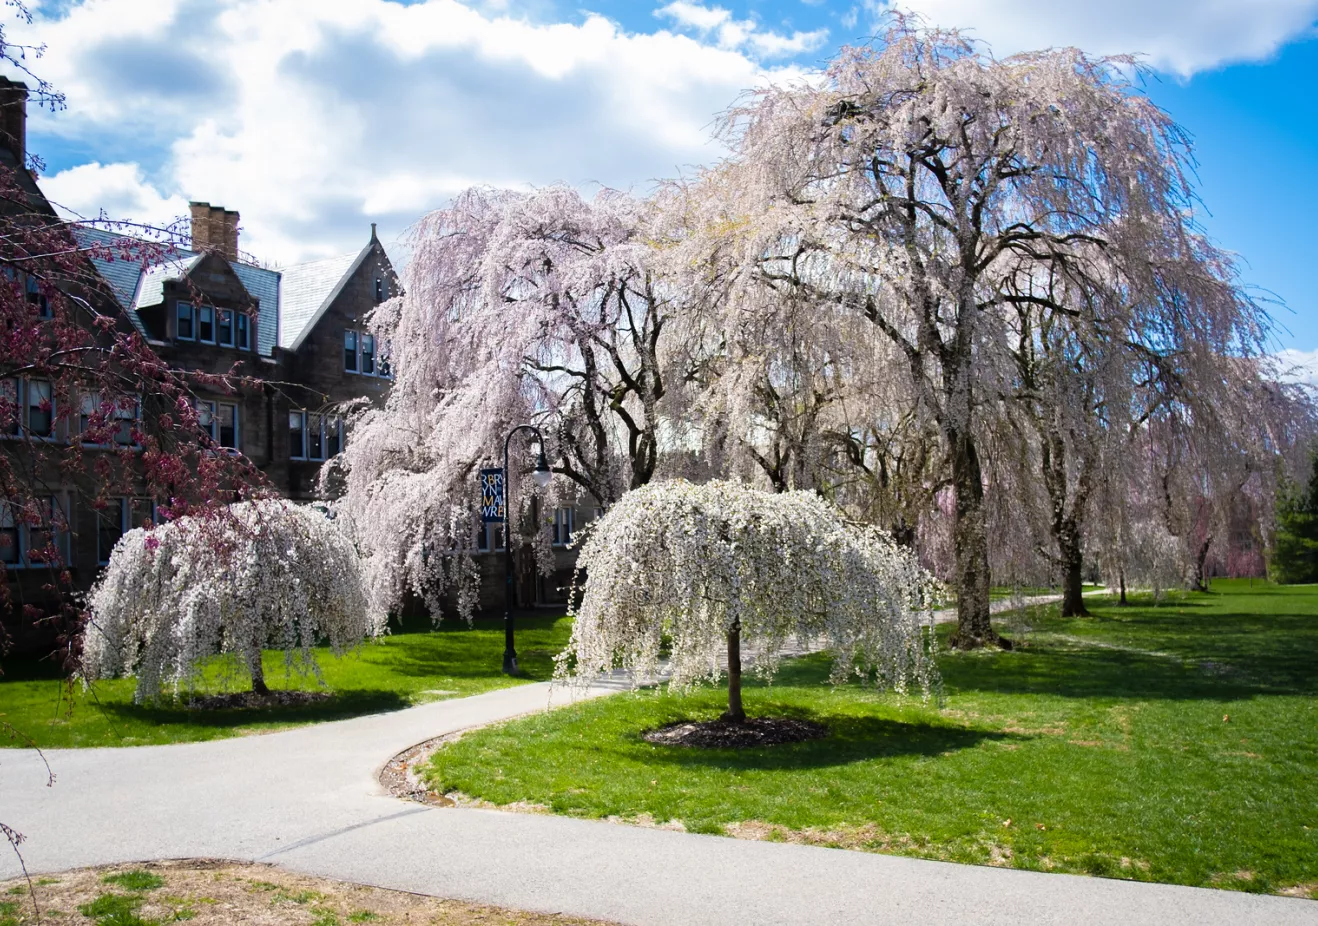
[{"x": 493, "y": 495}]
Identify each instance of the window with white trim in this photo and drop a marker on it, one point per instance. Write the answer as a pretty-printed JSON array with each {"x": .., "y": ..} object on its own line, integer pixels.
[
  {"x": 219, "y": 421},
  {"x": 225, "y": 335},
  {"x": 27, "y": 406},
  {"x": 349, "y": 350},
  {"x": 314, "y": 436},
  {"x": 206, "y": 324},
  {"x": 363, "y": 354},
  {"x": 243, "y": 326},
  {"x": 564, "y": 521},
  {"x": 37, "y": 537},
  {"x": 93, "y": 414},
  {"x": 186, "y": 329}
]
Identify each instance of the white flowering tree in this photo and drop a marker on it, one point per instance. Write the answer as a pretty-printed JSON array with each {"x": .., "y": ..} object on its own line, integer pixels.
[
  {"x": 265, "y": 574},
  {"x": 712, "y": 566}
]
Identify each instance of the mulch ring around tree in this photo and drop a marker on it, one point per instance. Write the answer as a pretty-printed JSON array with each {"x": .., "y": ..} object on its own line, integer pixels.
[
  {"x": 724, "y": 734},
  {"x": 250, "y": 699}
]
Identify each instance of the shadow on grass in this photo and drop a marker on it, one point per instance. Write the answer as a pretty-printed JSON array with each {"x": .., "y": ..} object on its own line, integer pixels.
[
  {"x": 851, "y": 738},
  {"x": 343, "y": 705},
  {"x": 1152, "y": 652},
  {"x": 456, "y": 650}
]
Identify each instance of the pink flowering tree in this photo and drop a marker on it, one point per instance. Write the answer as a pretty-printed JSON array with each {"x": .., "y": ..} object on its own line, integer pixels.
[
  {"x": 545, "y": 308},
  {"x": 926, "y": 188}
]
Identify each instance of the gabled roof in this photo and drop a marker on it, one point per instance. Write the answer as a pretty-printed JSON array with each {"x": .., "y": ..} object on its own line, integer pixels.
[
  {"x": 151, "y": 285},
  {"x": 307, "y": 291},
  {"x": 136, "y": 285}
]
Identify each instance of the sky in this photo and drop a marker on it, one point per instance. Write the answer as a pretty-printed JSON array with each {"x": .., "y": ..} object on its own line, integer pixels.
[{"x": 315, "y": 119}]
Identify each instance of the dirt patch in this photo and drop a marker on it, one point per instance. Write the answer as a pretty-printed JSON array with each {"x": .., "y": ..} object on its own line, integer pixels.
[
  {"x": 868, "y": 837},
  {"x": 724, "y": 734},
  {"x": 211, "y": 892},
  {"x": 250, "y": 699}
]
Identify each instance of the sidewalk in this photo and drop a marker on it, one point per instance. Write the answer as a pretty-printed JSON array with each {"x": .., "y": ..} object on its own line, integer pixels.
[{"x": 309, "y": 799}]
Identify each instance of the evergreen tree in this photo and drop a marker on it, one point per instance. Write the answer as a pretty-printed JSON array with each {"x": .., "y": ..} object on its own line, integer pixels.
[{"x": 1295, "y": 558}]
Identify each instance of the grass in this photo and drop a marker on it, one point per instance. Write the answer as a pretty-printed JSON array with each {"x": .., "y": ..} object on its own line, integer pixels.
[
  {"x": 1174, "y": 742},
  {"x": 397, "y": 671}
]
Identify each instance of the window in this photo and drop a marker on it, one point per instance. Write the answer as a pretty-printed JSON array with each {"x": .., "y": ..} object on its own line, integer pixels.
[
  {"x": 125, "y": 412},
  {"x": 361, "y": 354},
  {"x": 40, "y": 408},
  {"x": 110, "y": 528},
  {"x": 206, "y": 417},
  {"x": 333, "y": 436},
  {"x": 314, "y": 436},
  {"x": 244, "y": 338},
  {"x": 10, "y": 554},
  {"x": 368, "y": 354},
  {"x": 37, "y": 298},
  {"x": 187, "y": 319},
  {"x": 563, "y": 522},
  {"x": 226, "y": 328},
  {"x": 11, "y": 411},
  {"x": 36, "y": 537},
  {"x": 227, "y": 416},
  {"x": 350, "y": 351},
  {"x": 206, "y": 324},
  {"x": 483, "y": 537},
  {"x": 379, "y": 290},
  {"x": 121, "y": 516},
  {"x": 297, "y": 433},
  {"x": 27, "y": 406}
]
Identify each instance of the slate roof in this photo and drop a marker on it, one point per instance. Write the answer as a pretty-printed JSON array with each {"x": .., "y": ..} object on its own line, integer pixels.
[
  {"x": 135, "y": 285},
  {"x": 306, "y": 291}
]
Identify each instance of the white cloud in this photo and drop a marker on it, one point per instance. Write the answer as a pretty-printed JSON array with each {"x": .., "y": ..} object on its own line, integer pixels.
[
  {"x": 772, "y": 45},
  {"x": 1299, "y": 366},
  {"x": 1177, "y": 36},
  {"x": 118, "y": 190},
  {"x": 743, "y": 34},
  {"x": 314, "y": 119},
  {"x": 694, "y": 15}
]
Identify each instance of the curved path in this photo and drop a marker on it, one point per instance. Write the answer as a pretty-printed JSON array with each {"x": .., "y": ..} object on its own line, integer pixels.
[{"x": 308, "y": 799}]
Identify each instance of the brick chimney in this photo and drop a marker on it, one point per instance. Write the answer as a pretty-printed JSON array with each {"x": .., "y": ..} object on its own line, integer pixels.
[
  {"x": 214, "y": 229},
  {"x": 13, "y": 118}
]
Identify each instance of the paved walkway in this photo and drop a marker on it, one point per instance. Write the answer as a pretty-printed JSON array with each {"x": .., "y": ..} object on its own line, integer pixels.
[{"x": 308, "y": 799}]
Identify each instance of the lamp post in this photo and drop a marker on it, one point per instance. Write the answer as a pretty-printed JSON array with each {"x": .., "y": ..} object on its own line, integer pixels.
[{"x": 541, "y": 476}]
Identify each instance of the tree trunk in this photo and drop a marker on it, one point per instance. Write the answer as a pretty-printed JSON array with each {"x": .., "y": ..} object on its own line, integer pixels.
[
  {"x": 258, "y": 675},
  {"x": 970, "y": 536},
  {"x": 1121, "y": 582},
  {"x": 1200, "y": 562},
  {"x": 735, "y": 712},
  {"x": 1068, "y": 542}
]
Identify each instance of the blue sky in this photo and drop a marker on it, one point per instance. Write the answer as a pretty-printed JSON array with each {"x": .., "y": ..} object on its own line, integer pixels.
[{"x": 314, "y": 119}]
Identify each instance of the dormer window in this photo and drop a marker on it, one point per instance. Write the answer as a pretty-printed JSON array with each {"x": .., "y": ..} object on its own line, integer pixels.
[
  {"x": 187, "y": 321},
  {"x": 206, "y": 324},
  {"x": 226, "y": 328}
]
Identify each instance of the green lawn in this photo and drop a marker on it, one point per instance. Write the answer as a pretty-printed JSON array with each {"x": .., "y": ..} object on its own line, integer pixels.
[
  {"x": 1174, "y": 743},
  {"x": 397, "y": 671}
]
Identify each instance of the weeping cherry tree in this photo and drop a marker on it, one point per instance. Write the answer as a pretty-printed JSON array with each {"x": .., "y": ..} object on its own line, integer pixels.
[
  {"x": 262, "y": 574},
  {"x": 717, "y": 565}
]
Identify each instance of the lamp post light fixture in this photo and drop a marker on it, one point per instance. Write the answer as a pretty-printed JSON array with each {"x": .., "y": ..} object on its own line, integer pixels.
[{"x": 540, "y": 476}]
